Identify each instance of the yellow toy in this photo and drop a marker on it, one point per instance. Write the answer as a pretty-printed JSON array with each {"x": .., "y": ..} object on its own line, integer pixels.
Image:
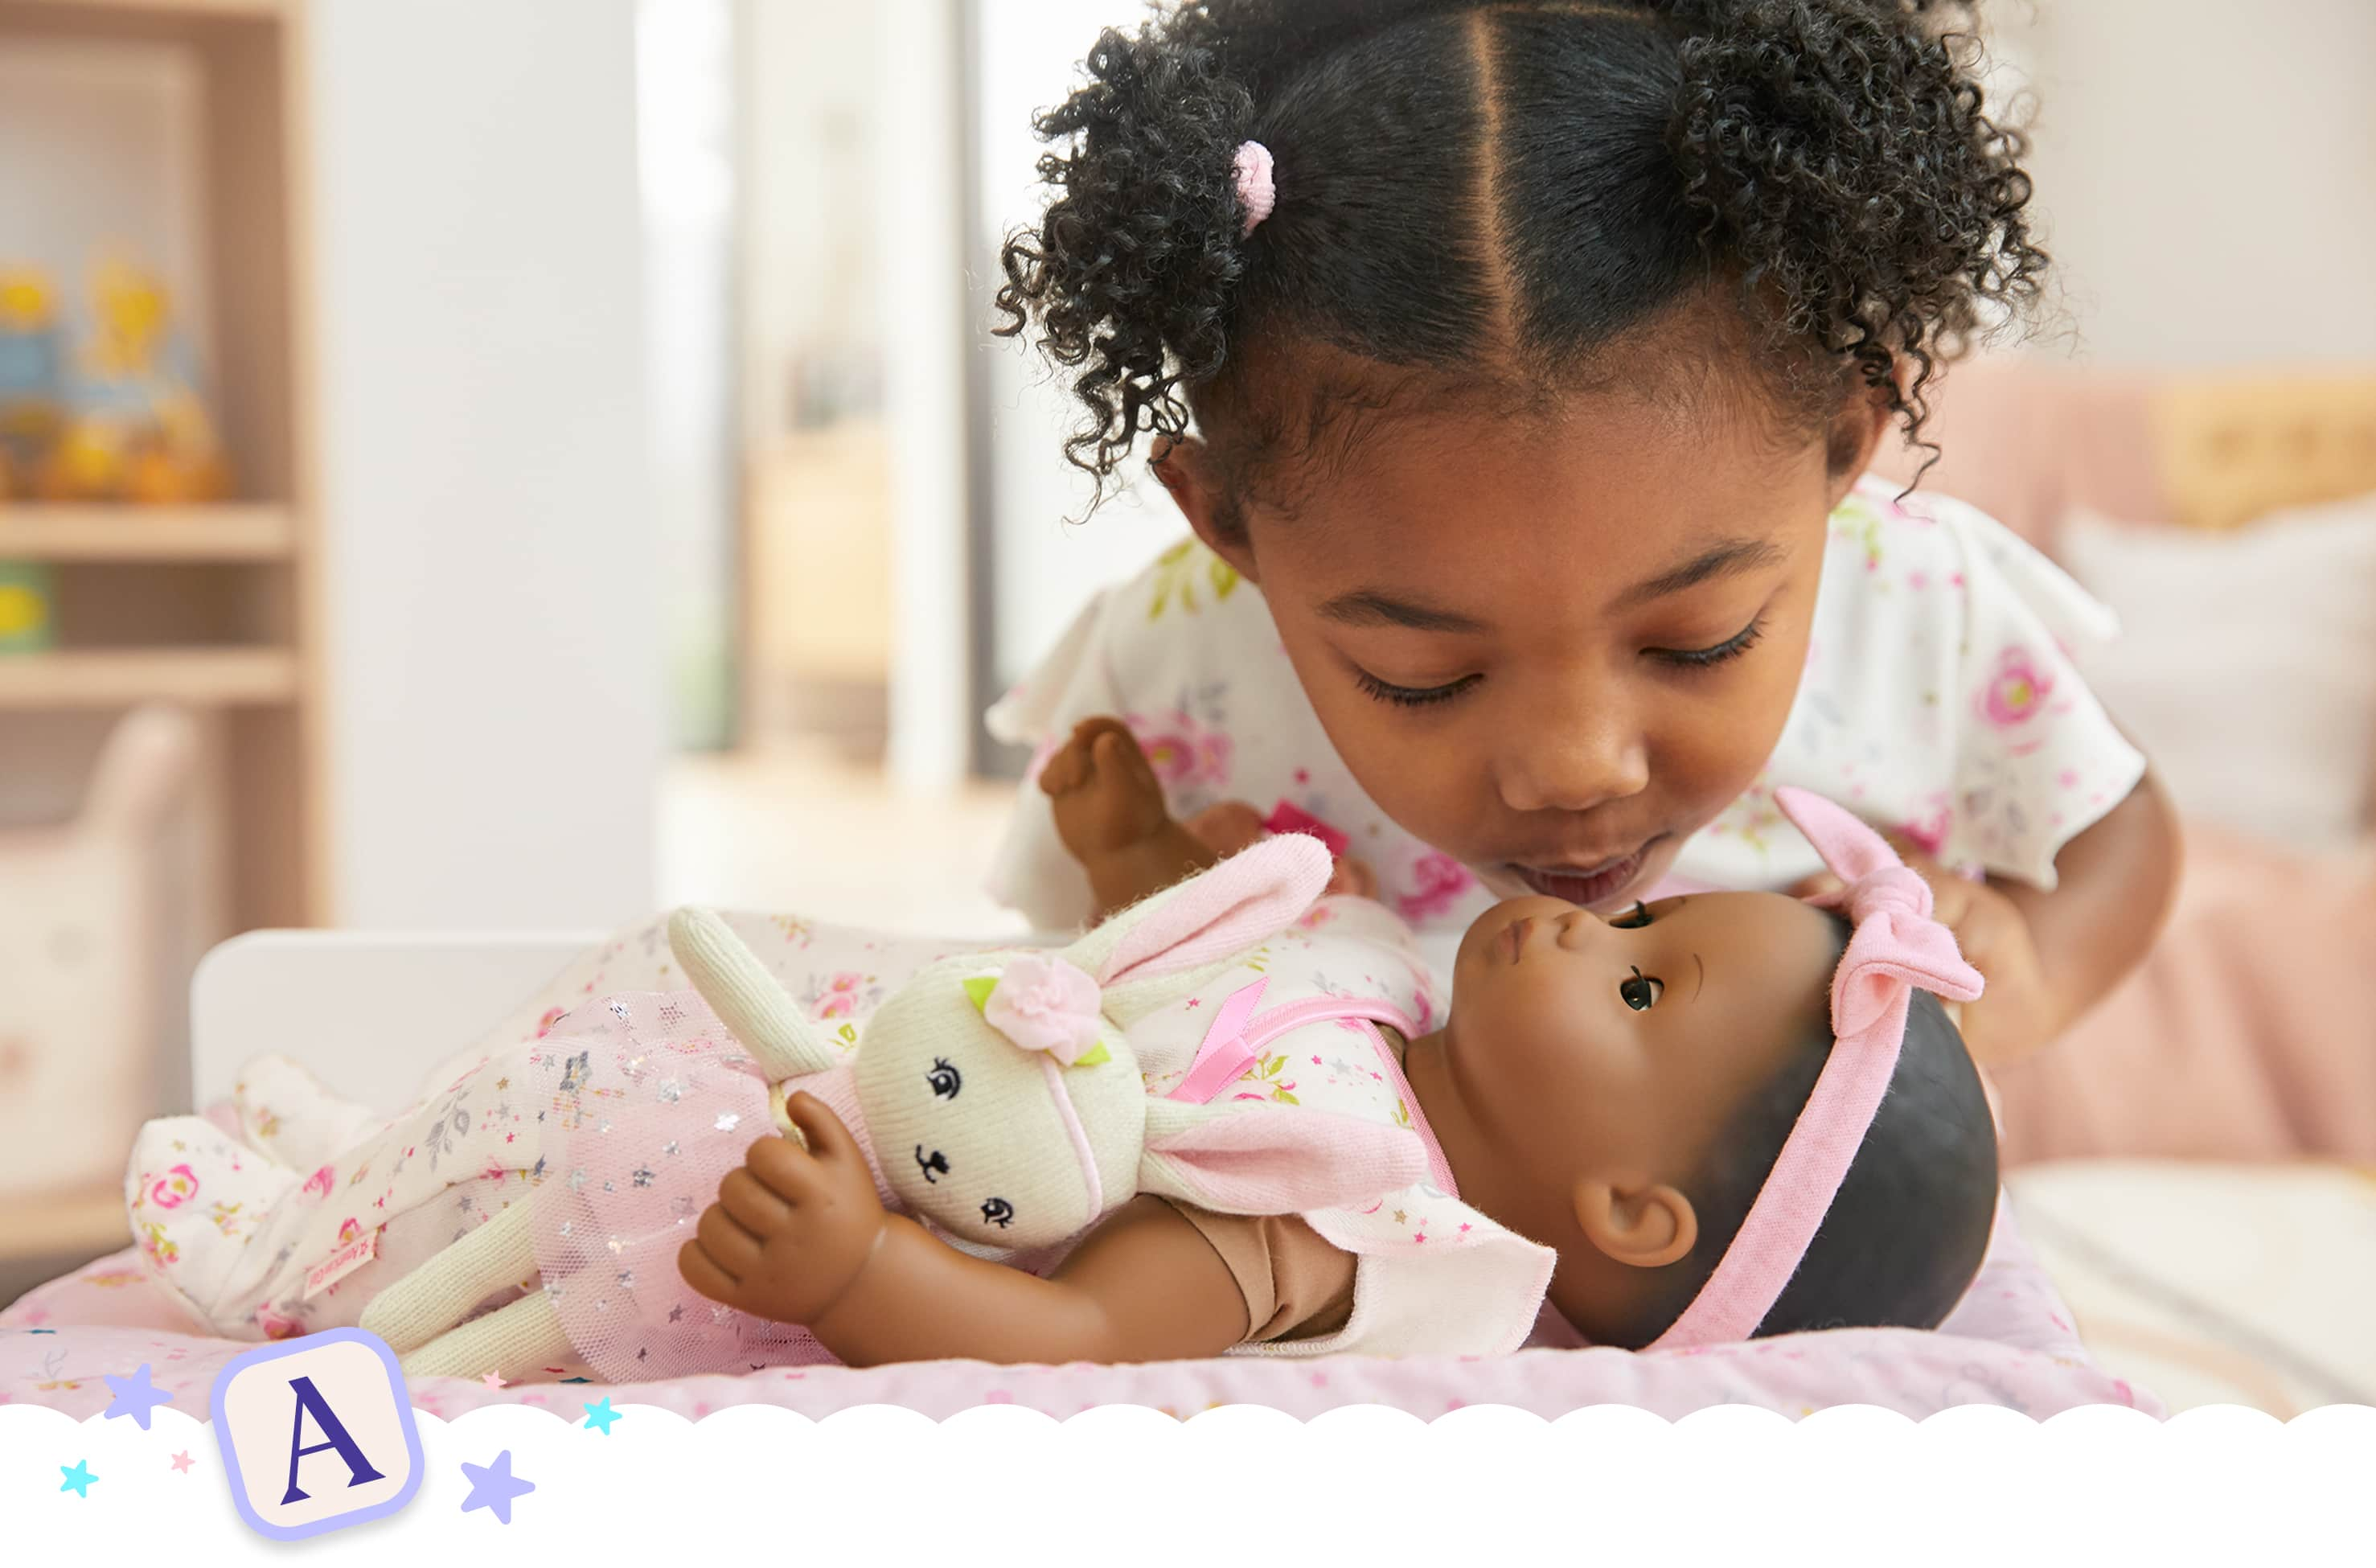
[
  {"x": 138, "y": 431},
  {"x": 31, "y": 407}
]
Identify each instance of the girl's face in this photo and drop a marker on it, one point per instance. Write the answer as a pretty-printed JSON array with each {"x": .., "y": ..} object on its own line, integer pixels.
[{"x": 1552, "y": 648}]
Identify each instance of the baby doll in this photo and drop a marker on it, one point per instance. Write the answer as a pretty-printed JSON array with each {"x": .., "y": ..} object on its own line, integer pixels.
[
  {"x": 1699, "y": 1137},
  {"x": 1649, "y": 1116}
]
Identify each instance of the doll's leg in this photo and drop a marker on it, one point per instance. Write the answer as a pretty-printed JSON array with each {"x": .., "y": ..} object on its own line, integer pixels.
[
  {"x": 512, "y": 1340},
  {"x": 435, "y": 1297}
]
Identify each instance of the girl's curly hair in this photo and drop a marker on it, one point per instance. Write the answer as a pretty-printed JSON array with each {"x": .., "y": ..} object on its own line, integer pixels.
[{"x": 1497, "y": 190}]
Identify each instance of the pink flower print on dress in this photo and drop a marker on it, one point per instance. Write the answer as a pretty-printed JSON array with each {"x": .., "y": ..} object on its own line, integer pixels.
[
  {"x": 2016, "y": 691},
  {"x": 841, "y": 995},
  {"x": 1182, "y": 753},
  {"x": 175, "y": 1188},
  {"x": 349, "y": 1231},
  {"x": 277, "y": 1324},
  {"x": 1929, "y": 833},
  {"x": 1437, "y": 882},
  {"x": 318, "y": 1184},
  {"x": 551, "y": 1016}
]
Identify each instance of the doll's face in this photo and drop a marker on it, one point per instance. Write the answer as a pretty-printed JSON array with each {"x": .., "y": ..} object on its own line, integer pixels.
[{"x": 1614, "y": 1050}]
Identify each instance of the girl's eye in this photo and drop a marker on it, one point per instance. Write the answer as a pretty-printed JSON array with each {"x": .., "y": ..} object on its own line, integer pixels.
[
  {"x": 998, "y": 1212},
  {"x": 1633, "y": 918},
  {"x": 944, "y": 1079},
  {"x": 1706, "y": 658},
  {"x": 1642, "y": 992},
  {"x": 1413, "y": 696}
]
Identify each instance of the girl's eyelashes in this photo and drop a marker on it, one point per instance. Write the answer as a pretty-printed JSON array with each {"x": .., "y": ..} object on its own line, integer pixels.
[
  {"x": 1412, "y": 696},
  {"x": 1642, "y": 992},
  {"x": 1708, "y": 658},
  {"x": 1633, "y": 918}
]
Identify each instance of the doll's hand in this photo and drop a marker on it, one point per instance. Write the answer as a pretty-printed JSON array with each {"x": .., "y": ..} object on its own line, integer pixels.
[
  {"x": 1106, "y": 796},
  {"x": 794, "y": 1227},
  {"x": 2015, "y": 1013}
]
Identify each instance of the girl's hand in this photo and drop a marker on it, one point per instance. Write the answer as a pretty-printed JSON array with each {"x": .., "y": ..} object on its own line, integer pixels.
[
  {"x": 1232, "y": 825},
  {"x": 2017, "y": 1014},
  {"x": 794, "y": 1227}
]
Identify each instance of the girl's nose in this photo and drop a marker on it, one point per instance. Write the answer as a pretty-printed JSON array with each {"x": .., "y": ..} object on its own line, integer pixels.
[{"x": 1575, "y": 766}]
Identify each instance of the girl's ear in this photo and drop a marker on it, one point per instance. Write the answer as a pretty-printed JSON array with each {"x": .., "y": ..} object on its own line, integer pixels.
[
  {"x": 1640, "y": 1224},
  {"x": 1266, "y": 1158},
  {"x": 746, "y": 998},
  {"x": 1242, "y": 902},
  {"x": 1855, "y": 435},
  {"x": 1186, "y": 467}
]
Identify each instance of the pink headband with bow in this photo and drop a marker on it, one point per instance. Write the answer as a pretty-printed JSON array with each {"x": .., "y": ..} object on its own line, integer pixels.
[{"x": 1895, "y": 947}]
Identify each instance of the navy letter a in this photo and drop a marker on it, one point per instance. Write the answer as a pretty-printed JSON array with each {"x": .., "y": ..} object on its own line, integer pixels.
[{"x": 359, "y": 1469}]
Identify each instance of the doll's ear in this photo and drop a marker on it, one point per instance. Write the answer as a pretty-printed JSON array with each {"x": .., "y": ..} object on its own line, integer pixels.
[
  {"x": 1266, "y": 1158},
  {"x": 1242, "y": 902},
  {"x": 746, "y": 998}
]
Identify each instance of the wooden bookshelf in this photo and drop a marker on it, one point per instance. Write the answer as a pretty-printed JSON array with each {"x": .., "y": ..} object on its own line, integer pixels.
[
  {"x": 213, "y": 607},
  {"x": 233, "y": 533},
  {"x": 196, "y": 677}
]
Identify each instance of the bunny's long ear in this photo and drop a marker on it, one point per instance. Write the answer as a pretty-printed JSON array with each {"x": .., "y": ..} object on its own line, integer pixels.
[
  {"x": 1266, "y": 1158},
  {"x": 1245, "y": 900},
  {"x": 149, "y": 758},
  {"x": 746, "y": 998}
]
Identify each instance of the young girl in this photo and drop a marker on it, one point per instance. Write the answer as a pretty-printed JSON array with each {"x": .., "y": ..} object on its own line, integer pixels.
[{"x": 1514, "y": 364}]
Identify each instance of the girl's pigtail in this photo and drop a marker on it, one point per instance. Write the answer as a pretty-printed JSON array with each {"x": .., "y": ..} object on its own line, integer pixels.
[
  {"x": 1839, "y": 149},
  {"x": 1129, "y": 275}
]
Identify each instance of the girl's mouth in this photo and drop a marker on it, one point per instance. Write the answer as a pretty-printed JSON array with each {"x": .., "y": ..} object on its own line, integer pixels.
[{"x": 1588, "y": 886}]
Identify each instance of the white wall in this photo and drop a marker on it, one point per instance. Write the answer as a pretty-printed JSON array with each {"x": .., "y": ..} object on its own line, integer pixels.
[
  {"x": 486, "y": 488},
  {"x": 2208, "y": 173}
]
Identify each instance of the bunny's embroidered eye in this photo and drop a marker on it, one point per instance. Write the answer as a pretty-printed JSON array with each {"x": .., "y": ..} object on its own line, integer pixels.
[
  {"x": 945, "y": 1080},
  {"x": 934, "y": 1166},
  {"x": 998, "y": 1212}
]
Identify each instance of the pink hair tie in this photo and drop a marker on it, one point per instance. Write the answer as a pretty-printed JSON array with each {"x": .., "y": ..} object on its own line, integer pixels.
[{"x": 1255, "y": 187}]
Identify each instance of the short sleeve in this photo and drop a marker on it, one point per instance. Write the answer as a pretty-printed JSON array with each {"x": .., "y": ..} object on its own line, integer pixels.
[
  {"x": 1032, "y": 874},
  {"x": 1296, "y": 1285},
  {"x": 2038, "y": 761}
]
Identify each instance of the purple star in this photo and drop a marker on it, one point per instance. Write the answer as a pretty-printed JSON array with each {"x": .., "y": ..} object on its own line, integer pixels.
[
  {"x": 493, "y": 1486},
  {"x": 135, "y": 1395}
]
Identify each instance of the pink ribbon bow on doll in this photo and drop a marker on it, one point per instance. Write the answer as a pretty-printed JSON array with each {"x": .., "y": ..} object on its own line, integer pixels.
[{"x": 1895, "y": 947}]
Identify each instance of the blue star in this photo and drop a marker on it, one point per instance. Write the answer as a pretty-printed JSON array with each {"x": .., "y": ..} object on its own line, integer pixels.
[
  {"x": 135, "y": 1395},
  {"x": 493, "y": 1486},
  {"x": 601, "y": 1416},
  {"x": 78, "y": 1480}
]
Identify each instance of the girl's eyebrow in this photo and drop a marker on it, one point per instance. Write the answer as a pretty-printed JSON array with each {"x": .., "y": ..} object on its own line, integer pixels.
[
  {"x": 1371, "y": 608},
  {"x": 1727, "y": 558}
]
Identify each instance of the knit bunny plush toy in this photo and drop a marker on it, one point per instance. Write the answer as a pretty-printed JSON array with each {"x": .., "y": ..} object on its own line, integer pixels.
[
  {"x": 1000, "y": 1093},
  {"x": 532, "y": 1212}
]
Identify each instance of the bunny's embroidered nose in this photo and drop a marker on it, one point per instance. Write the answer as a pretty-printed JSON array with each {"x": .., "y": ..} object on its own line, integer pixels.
[{"x": 934, "y": 1166}]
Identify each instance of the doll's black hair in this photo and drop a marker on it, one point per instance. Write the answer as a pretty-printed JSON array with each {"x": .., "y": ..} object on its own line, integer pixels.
[
  {"x": 1493, "y": 195},
  {"x": 1906, "y": 1233}
]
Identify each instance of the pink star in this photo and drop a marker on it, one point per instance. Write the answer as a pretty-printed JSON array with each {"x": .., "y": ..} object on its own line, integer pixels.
[
  {"x": 182, "y": 1462},
  {"x": 1195, "y": 1002},
  {"x": 493, "y": 1380}
]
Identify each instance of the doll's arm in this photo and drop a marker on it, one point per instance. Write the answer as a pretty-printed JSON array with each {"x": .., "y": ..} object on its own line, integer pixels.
[
  {"x": 1112, "y": 818},
  {"x": 798, "y": 1235}
]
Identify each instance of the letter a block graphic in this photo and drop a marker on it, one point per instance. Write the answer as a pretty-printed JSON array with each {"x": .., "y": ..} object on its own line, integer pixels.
[{"x": 316, "y": 1433}]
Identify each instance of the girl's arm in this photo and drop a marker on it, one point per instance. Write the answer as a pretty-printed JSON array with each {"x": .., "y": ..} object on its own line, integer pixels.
[
  {"x": 2115, "y": 883},
  {"x": 799, "y": 1236}
]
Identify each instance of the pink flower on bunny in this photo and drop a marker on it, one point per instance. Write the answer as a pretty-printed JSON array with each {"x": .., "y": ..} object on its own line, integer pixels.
[{"x": 1045, "y": 1004}]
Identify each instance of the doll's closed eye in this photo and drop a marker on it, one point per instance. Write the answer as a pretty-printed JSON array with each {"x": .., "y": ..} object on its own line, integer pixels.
[
  {"x": 945, "y": 1080},
  {"x": 1641, "y": 991},
  {"x": 1633, "y": 918}
]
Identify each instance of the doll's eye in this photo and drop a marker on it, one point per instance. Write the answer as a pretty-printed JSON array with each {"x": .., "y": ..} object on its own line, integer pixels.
[
  {"x": 1642, "y": 992},
  {"x": 998, "y": 1212},
  {"x": 1633, "y": 918},
  {"x": 944, "y": 1079}
]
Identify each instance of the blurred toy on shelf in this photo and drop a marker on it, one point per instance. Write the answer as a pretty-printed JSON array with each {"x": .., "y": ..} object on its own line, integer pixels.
[
  {"x": 81, "y": 997},
  {"x": 135, "y": 428},
  {"x": 32, "y": 379},
  {"x": 26, "y": 619}
]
